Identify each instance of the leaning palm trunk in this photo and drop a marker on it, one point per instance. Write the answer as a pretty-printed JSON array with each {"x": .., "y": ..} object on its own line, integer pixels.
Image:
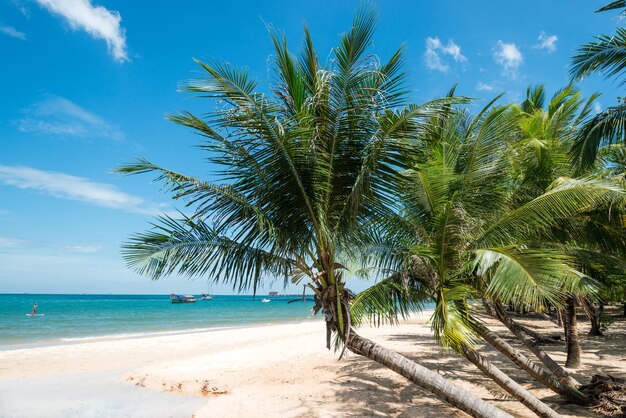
[
  {"x": 552, "y": 365},
  {"x": 508, "y": 384},
  {"x": 336, "y": 311},
  {"x": 424, "y": 378},
  {"x": 571, "y": 335},
  {"x": 533, "y": 369},
  {"x": 538, "y": 337}
]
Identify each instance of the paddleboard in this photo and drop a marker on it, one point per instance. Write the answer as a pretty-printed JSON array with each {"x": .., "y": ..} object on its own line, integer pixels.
[{"x": 39, "y": 314}]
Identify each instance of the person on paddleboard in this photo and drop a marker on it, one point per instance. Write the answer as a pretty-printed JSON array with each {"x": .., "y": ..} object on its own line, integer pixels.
[{"x": 34, "y": 311}]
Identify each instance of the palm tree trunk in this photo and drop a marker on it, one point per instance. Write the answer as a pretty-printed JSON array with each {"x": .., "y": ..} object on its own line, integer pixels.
[
  {"x": 536, "y": 371},
  {"x": 571, "y": 335},
  {"x": 595, "y": 317},
  {"x": 508, "y": 384},
  {"x": 552, "y": 365},
  {"x": 424, "y": 378}
]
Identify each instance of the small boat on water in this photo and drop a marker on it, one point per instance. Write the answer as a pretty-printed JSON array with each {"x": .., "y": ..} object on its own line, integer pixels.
[
  {"x": 182, "y": 298},
  {"x": 206, "y": 296},
  {"x": 265, "y": 300}
]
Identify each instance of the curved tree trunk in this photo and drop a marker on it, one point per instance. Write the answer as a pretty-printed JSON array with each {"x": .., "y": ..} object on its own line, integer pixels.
[
  {"x": 424, "y": 378},
  {"x": 571, "y": 335},
  {"x": 508, "y": 384},
  {"x": 552, "y": 365},
  {"x": 539, "y": 373}
]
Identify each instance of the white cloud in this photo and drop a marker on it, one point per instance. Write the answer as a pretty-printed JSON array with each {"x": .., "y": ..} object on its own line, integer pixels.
[
  {"x": 434, "y": 47},
  {"x": 84, "y": 248},
  {"x": 12, "y": 32},
  {"x": 484, "y": 87},
  {"x": 95, "y": 20},
  {"x": 547, "y": 42},
  {"x": 70, "y": 187},
  {"x": 508, "y": 56},
  {"x": 597, "y": 107},
  {"x": 59, "y": 116}
]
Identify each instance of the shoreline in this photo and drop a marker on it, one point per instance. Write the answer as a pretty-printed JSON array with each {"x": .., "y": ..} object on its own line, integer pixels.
[{"x": 68, "y": 341}]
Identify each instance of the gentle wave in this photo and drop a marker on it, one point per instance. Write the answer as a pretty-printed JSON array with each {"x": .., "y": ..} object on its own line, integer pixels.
[{"x": 140, "y": 334}]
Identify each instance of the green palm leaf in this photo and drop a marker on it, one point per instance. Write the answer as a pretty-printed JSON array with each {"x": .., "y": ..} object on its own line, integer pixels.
[
  {"x": 605, "y": 128},
  {"x": 526, "y": 276},
  {"x": 606, "y": 55},
  {"x": 386, "y": 301},
  {"x": 451, "y": 321},
  {"x": 196, "y": 250},
  {"x": 565, "y": 199}
]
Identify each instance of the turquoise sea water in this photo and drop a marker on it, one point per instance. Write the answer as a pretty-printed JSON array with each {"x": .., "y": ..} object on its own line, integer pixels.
[{"x": 70, "y": 318}]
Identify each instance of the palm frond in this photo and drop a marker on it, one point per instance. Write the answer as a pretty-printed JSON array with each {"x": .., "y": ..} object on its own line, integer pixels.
[
  {"x": 452, "y": 323},
  {"x": 617, "y": 4},
  {"x": 565, "y": 199},
  {"x": 386, "y": 301},
  {"x": 526, "y": 276},
  {"x": 535, "y": 99},
  {"x": 605, "y": 128},
  {"x": 607, "y": 55},
  {"x": 196, "y": 250}
]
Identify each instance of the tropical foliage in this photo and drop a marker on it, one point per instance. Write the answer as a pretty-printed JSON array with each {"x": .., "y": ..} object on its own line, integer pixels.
[
  {"x": 333, "y": 168},
  {"x": 606, "y": 55},
  {"x": 489, "y": 212},
  {"x": 301, "y": 171}
]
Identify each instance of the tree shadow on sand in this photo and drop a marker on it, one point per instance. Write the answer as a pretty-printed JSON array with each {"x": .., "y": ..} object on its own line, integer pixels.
[{"x": 372, "y": 390}]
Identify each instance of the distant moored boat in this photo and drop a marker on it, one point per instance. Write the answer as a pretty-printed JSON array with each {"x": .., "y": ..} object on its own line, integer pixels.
[
  {"x": 182, "y": 298},
  {"x": 206, "y": 296}
]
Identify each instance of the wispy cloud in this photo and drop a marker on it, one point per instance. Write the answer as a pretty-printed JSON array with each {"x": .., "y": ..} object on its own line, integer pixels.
[
  {"x": 97, "y": 21},
  {"x": 597, "y": 107},
  {"x": 83, "y": 248},
  {"x": 12, "y": 32},
  {"x": 55, "y": 115},
  {"x": 6, "y": 242},
  {"x": 66, "y": 186},
  {"x": 547, "y": 42},
  {"x": 21, "y": 6},
  {"x": 433, "y": 59},
  {"x": 484, "y": 87},
  {"x": 508, "y": 56}
]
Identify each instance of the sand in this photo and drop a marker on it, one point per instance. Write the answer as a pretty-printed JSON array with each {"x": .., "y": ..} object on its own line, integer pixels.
[{"x": 266, "y": 371}]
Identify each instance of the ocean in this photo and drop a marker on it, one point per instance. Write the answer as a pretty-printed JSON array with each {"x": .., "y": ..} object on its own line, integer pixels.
[{"x": 72, "y": 318}]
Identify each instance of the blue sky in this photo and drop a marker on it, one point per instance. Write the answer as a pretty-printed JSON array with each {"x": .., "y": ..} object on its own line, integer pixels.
[{"x": 85, "y": 86}]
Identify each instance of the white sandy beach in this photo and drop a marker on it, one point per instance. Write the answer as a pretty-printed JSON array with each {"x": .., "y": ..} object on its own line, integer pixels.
[{"x": 267, "y": 371}]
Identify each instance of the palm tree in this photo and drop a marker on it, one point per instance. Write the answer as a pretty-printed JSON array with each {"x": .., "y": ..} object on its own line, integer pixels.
[
  {"x": 301, "y": 170},
  {"x": 595, "y": 237},
  {"x": 606, "y": 55},
  {"x": 471, "y": 227}
]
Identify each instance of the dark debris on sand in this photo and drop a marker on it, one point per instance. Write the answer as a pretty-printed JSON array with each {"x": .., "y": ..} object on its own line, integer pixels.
[{"x": 608, "y": 394}]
